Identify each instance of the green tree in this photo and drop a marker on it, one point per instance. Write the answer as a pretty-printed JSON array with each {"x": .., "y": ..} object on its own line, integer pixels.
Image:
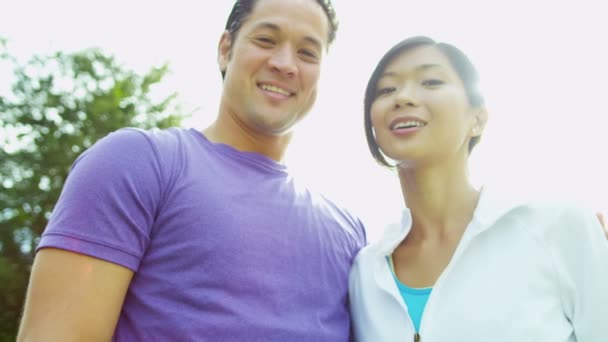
[{"x": 59, "y": 106}]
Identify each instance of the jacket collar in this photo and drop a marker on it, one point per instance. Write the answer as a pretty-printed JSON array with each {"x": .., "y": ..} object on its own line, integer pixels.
[{"x": 489, "y": 209}]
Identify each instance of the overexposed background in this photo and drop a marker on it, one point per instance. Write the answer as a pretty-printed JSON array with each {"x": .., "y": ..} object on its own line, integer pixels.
[{"x": 543, "y": 66}]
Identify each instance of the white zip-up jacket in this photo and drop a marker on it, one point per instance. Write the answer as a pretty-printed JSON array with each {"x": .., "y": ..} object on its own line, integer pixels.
[{"x": 522, "y": 272}]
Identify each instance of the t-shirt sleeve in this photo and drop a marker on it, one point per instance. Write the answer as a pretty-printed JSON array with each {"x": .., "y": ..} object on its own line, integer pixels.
[
  {"x": 356, "y": 230},
  {"x": 580, "y": 253},
  {"x": 361, "y": 233},
  {"x": 107, "y": 206}
]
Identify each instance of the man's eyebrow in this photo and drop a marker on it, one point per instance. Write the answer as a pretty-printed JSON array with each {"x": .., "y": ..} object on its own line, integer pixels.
[
  {"x": 267, "y": 25},
  {"x": 314, "y": 41},
  {"x": 275, "y": 27}
]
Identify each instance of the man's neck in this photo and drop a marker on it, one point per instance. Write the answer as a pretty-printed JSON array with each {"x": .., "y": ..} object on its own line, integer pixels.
[{"x": 227, "y": 131}]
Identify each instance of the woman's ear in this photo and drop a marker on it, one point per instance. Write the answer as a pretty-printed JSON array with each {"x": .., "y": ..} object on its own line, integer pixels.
[{"x": 479, "y": 121}]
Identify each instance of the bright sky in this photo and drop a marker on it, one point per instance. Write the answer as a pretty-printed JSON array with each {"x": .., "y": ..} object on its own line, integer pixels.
[{"x": 543, "y": 66}]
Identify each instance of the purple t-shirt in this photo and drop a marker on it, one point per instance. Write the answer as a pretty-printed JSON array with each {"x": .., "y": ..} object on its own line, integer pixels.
[{"x": 225, "y": 245}]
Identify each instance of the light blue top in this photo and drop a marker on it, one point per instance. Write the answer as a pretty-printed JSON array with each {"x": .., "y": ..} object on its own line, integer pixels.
[{"x": 414, "y": 298}]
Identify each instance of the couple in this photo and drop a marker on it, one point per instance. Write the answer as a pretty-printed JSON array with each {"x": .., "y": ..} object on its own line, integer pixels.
[{"x": 180, "y": 235}]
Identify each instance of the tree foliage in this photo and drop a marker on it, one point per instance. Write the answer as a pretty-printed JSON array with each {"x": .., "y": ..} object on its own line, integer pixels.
[{"x": 59, "y": 106}]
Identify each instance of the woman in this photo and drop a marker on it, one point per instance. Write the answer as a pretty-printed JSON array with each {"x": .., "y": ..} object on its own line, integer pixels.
[{"x": 464, "y": 265}]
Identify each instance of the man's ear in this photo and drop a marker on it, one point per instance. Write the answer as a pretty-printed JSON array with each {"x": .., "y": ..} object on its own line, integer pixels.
[
  {"x": 479, "y": 121},
  {"x": 224, "y": 50}
]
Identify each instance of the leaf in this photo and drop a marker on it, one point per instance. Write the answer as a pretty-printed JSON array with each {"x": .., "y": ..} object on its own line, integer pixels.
[{"x": 60, "y": 105}]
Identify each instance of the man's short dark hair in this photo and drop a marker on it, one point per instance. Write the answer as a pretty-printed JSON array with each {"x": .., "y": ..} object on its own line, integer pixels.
[{"x": 243, "y": 8}]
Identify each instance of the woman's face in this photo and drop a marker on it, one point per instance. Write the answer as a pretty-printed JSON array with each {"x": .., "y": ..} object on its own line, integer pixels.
[{"x": 421, "y": 112}]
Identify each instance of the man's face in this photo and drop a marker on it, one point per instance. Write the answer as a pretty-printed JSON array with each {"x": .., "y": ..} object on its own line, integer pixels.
[{"x": 273, "y": 65}]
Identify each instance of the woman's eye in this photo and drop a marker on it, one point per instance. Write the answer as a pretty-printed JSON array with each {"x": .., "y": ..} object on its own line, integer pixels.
[
  {"x": 385, "y": 90},
  {"x": 432, "y": 82}
]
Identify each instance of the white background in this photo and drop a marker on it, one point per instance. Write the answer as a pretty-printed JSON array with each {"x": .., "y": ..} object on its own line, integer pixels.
[{"x": 543, "y": 66}]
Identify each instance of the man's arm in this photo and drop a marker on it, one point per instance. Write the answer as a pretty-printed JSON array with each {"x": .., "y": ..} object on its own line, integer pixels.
[{"x": 73, "y": 297}]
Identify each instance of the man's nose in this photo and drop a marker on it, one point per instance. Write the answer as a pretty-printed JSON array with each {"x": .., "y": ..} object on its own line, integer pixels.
[{"x": 283, "y": 60}]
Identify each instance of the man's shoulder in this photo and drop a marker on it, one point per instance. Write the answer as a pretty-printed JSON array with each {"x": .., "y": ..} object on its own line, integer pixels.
[
  {"x": 344, "y": 217},
  {"x": 154, "y": 136},
  {"x": 162, "y": 143},
  {"x": 128, "y": 138},
  {"x": 136, "y": 153}
]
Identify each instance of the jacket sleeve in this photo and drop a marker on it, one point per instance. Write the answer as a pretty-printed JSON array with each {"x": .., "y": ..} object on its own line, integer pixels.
[{"x": 580, "y": 253}]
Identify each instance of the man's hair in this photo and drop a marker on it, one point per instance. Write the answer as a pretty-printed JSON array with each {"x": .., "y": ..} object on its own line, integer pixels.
[
  {"x": 243, "y": 8},
  {"x": 461, "y": 63}
]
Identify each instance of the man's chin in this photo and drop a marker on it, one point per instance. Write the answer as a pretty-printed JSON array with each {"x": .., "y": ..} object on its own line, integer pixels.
[{"x": 276, "y": 128}]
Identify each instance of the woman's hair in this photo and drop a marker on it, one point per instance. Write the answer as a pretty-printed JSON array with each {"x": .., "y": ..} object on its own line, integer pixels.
[{"x": 460, "y": 62}]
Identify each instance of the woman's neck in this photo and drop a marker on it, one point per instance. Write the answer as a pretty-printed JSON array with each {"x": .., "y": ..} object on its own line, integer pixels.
[{"x": 441, "y": 199}]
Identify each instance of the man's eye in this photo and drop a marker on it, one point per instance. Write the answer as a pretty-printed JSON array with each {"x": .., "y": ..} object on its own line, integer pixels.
[
  {"x": 265, "y": 41},
  {"x": 308, "y": 53}
]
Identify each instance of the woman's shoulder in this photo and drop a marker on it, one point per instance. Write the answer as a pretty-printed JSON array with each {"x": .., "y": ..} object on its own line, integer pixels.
[
  {"x": 378, "y": 249},
  {"x": 366, "y": 255},
  {"x": 556, "y": 212},
  {"x": 557, "y": 221},
  {"x": 538, "y": 213}
]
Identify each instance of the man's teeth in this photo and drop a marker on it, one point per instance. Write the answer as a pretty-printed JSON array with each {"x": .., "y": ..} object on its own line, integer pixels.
[
  {"x": 408, "y": 124},
  {"x": 275, "y": 89}
]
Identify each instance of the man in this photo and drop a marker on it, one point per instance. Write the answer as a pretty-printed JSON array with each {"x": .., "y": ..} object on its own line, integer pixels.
[{"x": 186, "y": 236}]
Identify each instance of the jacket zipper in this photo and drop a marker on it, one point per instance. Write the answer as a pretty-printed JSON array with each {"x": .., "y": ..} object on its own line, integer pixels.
[{"x": 462, "y": 246}]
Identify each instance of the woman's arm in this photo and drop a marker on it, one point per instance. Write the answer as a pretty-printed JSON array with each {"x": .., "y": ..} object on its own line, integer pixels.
[{"x": 580, "y": 253}]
